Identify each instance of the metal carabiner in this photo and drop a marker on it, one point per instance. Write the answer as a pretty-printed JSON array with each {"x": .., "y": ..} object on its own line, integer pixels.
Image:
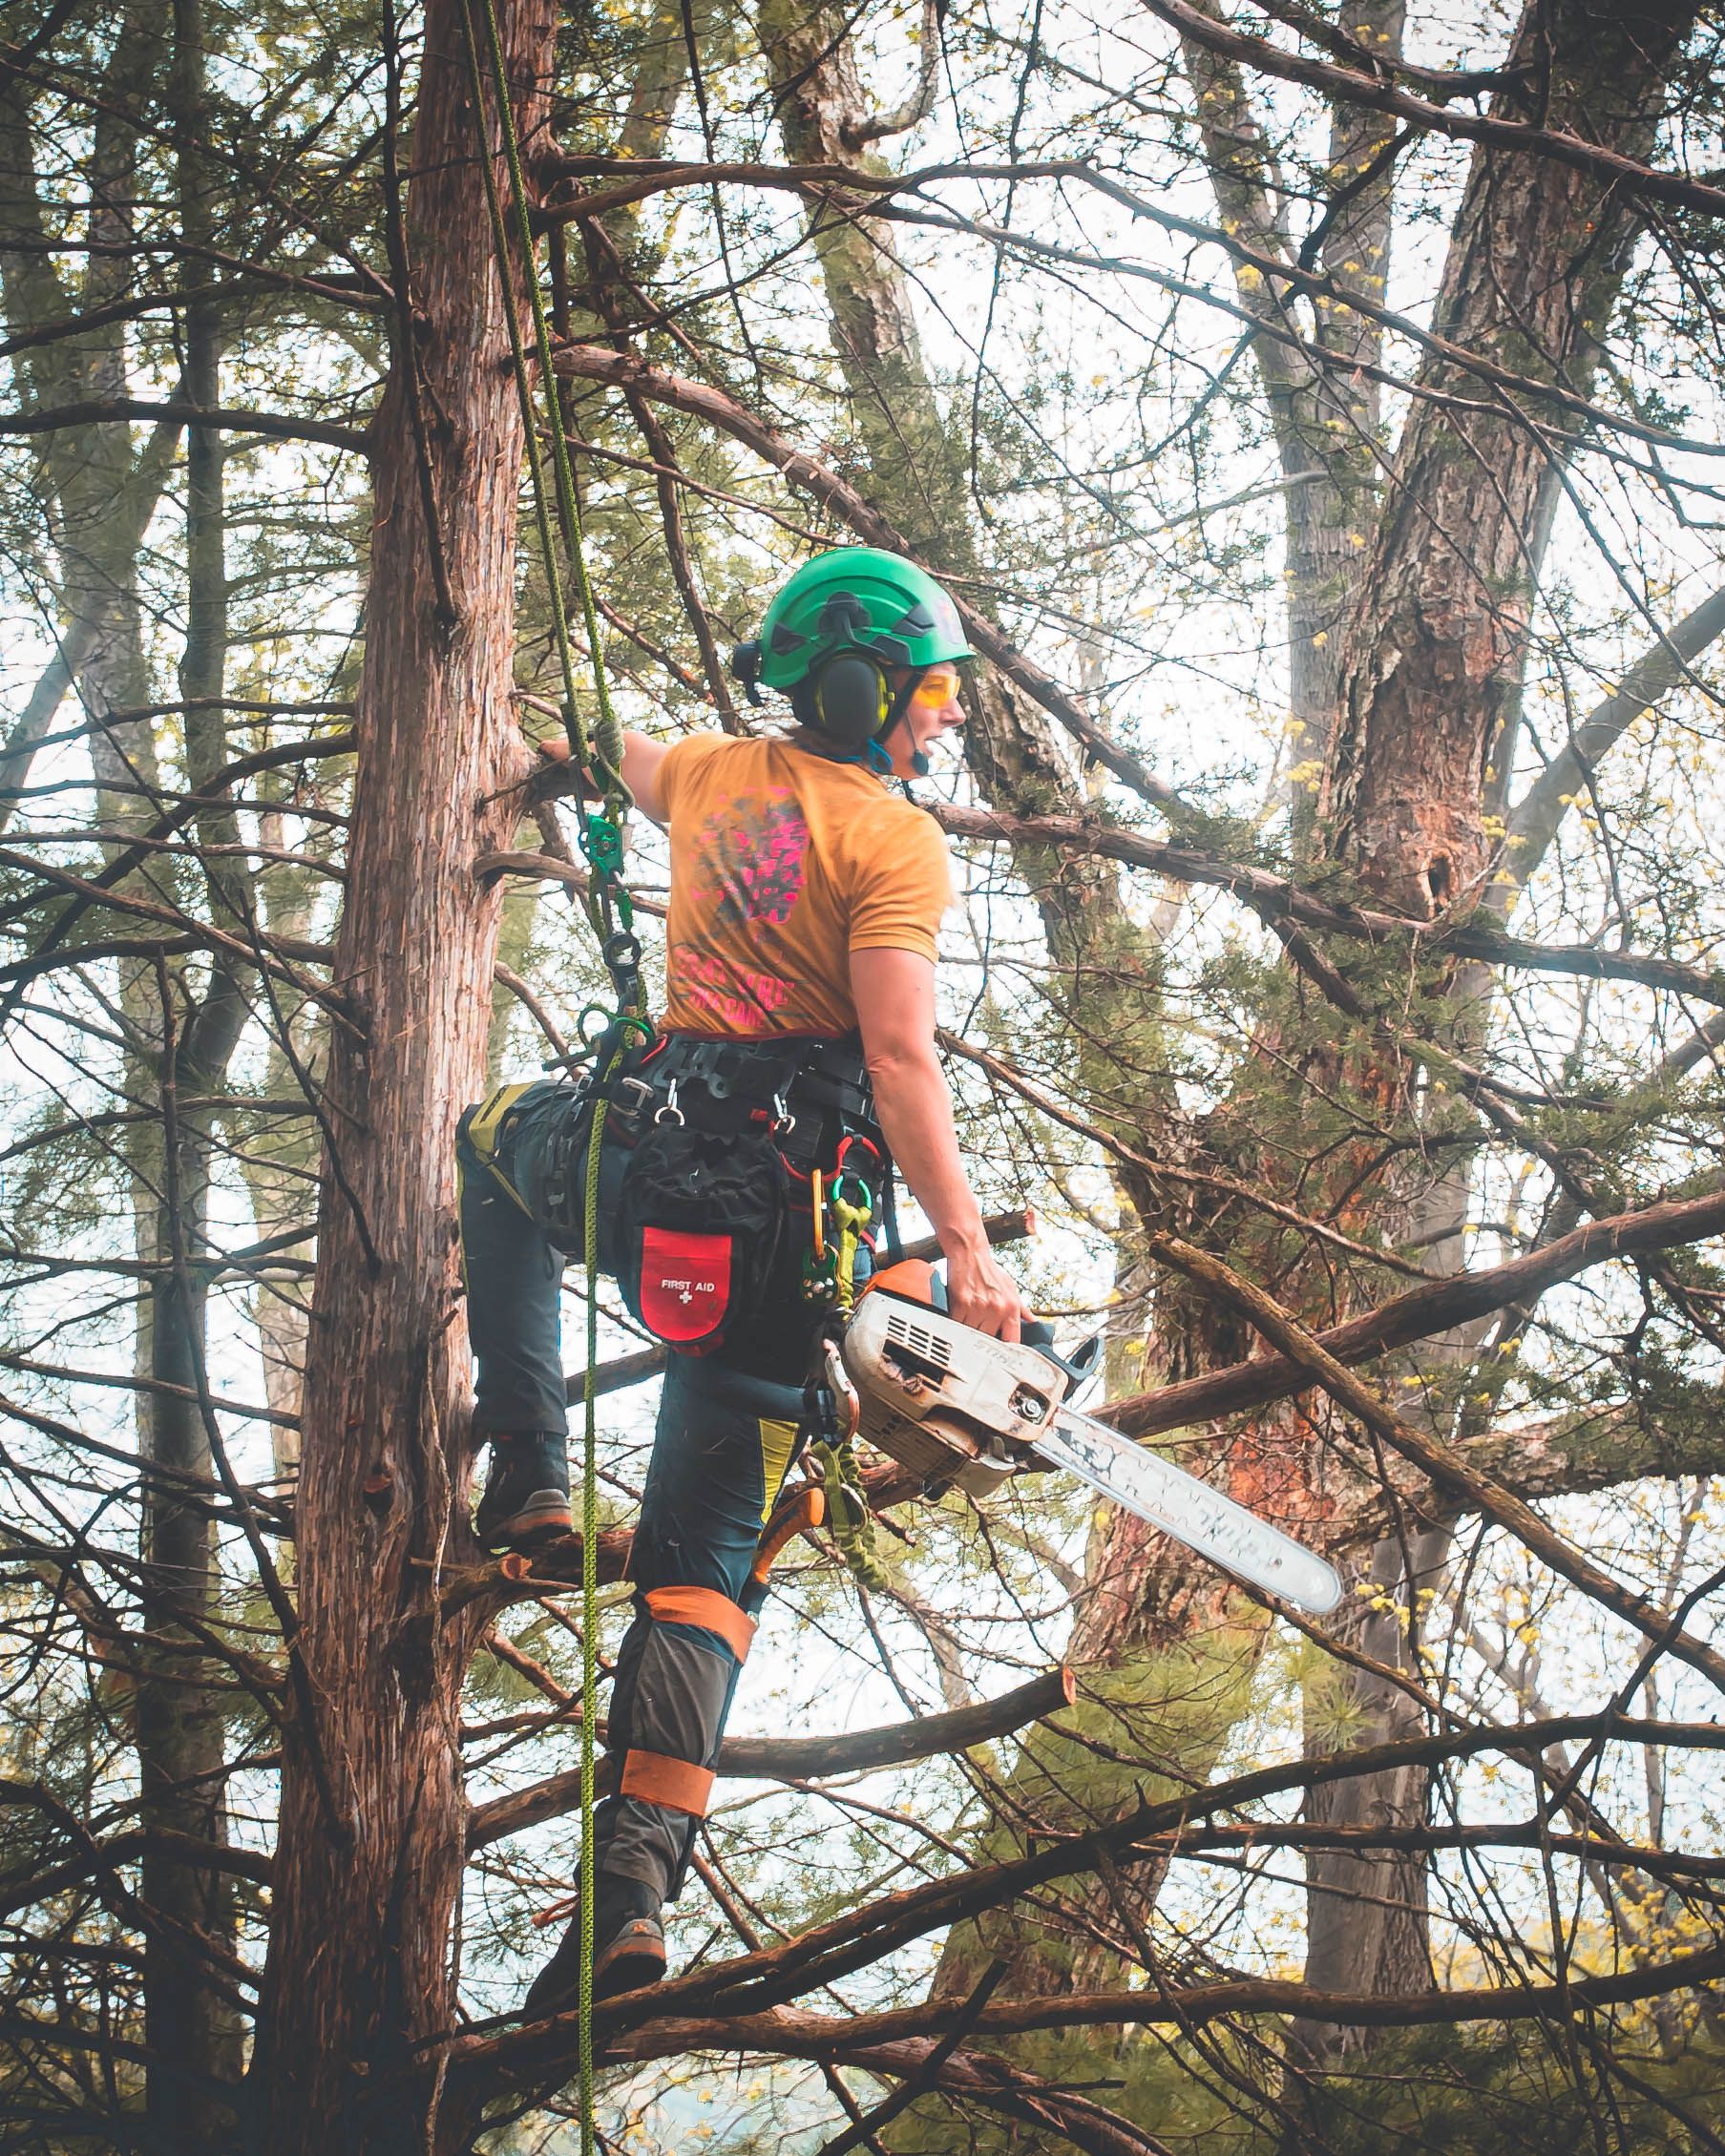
[
  {"x": 669, "y": 1112},
  {"x": 784, "y": 1123},
  {"x": 838, "y": 1383}
]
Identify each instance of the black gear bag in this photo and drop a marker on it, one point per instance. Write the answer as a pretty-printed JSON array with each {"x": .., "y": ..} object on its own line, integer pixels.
[{"x": 701, "y": 1221}]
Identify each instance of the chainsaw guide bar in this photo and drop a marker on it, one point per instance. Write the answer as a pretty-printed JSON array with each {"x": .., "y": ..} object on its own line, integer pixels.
[{"x": 963, "y": 1410}]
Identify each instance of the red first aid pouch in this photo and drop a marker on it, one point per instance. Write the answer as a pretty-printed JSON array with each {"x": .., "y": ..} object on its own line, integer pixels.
[{"x": 701, "y": 1217}]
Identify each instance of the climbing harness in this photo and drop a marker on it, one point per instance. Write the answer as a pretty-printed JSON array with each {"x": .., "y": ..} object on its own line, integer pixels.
[{"x": 721, "y": 1139}]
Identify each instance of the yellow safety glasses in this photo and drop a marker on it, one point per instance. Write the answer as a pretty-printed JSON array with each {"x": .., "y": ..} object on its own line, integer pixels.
[{"x": 937, "y": 687}]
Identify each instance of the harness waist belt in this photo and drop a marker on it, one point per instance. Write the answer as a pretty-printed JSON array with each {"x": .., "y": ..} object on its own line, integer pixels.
[
  {"x": 726, "y": 1085},
  {"x": 824, "y": 1071}
]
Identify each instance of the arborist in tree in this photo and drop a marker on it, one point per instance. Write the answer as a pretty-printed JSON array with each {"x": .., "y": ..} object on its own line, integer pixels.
[{"x": 744, "y": 1153}]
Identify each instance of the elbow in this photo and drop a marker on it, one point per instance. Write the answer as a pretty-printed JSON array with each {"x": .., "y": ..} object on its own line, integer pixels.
[{"x": 891, "y": 1061}]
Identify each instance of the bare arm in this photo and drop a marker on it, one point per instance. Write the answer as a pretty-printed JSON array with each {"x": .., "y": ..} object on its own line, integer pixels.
[
  {"x": 642, "y": 755},
  {"x": 894, "y": 996}
]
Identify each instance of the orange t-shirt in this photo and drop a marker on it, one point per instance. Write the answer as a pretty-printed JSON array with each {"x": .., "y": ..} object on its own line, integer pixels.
[{"x": 782, "y": 863}]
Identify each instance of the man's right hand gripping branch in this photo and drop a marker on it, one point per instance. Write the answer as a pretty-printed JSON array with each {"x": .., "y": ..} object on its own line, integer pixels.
[{"x": 797, "y": 1036}]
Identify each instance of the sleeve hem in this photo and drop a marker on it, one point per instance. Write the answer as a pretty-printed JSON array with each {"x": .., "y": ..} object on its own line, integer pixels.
[{"x": 917, "y": 940}]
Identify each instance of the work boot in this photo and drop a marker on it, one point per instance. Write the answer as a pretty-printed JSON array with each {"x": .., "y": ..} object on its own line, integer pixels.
[
  {"x": 526, "y": 1496},
  {"x": 628, "y": 1949}
]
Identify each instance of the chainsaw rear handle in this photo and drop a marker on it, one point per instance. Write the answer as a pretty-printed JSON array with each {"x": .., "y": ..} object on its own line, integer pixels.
[{"x": 918, "y": 1281}]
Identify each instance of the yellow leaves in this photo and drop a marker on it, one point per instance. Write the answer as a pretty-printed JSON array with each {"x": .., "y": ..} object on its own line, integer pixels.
[
  {"x": 1321, "y": 639},
  {"x": 1249, "y": 277}
]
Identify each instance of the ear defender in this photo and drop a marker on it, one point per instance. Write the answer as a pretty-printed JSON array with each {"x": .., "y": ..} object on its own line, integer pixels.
[
  {"x": 746, "y": 667},
  {"x": 852, "y": 700}
]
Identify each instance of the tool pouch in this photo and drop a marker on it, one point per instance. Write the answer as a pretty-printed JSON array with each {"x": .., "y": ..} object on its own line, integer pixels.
[{"x": 701, "y": 1221}]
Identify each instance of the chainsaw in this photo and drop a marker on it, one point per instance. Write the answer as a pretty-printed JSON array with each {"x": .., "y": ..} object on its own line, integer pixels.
[{"x": 963, "y": 1410}]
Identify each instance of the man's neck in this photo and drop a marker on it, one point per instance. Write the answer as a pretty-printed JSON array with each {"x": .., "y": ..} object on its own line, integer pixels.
[{"x": 811, "y": 743}]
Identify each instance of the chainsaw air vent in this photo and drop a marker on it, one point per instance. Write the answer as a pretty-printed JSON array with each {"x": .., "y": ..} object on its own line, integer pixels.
[{"x": 926, "y": 1347}]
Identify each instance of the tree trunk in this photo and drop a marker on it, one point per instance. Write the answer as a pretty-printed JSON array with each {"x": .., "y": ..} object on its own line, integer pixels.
[
  {"x": 371, "y": 1849},
  {"x": 1536, "y": 259},
  {"x": 1427, "y": 696},
  {"x": 191, "y": 2029}
]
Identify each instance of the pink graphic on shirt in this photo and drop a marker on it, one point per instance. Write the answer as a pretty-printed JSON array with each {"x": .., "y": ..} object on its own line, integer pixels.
[
  {"x": 747, "y": 862},
  {"x": 736, "y": 998}
]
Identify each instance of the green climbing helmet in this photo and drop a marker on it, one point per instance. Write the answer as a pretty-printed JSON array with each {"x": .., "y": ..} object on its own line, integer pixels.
[
  {"x": 833, "y": 629},
  {"x": 857, "y": 598}
]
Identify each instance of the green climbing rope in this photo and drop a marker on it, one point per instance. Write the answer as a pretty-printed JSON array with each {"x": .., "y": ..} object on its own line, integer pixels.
[
  {"x": 608, "y": 906},
  {"x": 590, "y": 1608}
]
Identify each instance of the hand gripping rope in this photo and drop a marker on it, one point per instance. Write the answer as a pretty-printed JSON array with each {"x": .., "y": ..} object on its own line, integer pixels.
[{"x": 607, "y": 902}]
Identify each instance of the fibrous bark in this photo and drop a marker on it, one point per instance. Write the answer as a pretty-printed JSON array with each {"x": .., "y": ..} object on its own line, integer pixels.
[{"x": 372, "y": 1809}]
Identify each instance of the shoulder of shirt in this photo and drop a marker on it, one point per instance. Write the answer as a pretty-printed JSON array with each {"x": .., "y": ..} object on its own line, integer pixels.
[
  {"x": 702, "y": 745},
  {"x": 877, "y": 803},
  {"x": 894, "y": 810}
]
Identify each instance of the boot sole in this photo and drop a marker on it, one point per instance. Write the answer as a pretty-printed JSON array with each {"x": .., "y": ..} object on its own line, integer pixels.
[
  {"x": 629, "y": 1962},
  {"x": 636, "y": 1957},
  {"x": 538, "y": 1521}
]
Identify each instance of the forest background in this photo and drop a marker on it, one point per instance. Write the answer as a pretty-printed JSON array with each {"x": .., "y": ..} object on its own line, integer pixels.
[{"x": 1315, "y": 409}]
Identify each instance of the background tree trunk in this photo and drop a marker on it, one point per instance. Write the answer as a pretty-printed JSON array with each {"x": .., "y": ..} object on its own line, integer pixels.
[
  {"x": 190, "y": 2027},
  {"x": 1427, "y": 698}
]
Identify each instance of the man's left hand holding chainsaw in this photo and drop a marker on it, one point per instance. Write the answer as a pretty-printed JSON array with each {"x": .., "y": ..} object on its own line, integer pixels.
[{"x": 795, "y": 1063}]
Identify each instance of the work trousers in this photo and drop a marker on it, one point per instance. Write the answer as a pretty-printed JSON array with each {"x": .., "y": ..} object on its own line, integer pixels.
[{"x": 726, "y": 1430}]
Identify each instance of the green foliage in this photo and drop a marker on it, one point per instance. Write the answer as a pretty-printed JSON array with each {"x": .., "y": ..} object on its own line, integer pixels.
[{"x": 1499, "y": 2091}]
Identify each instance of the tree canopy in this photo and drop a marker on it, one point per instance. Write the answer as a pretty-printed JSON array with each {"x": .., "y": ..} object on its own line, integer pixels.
[{"x": 1315, "y": 412}]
